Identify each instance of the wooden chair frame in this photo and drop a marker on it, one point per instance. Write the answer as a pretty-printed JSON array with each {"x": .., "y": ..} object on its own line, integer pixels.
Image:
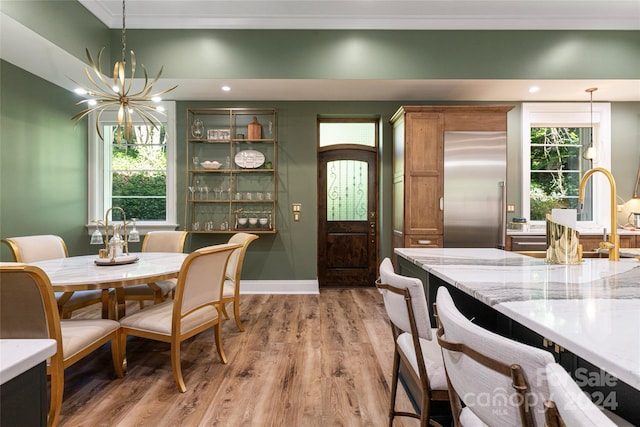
[
  {"x": 57, "y": 363},
  {"x": 176, "y": 337},
  {"x": 157, "y": 294},
  {"x": 422, "y": 378},
  {"x": 66, "y": 305},
  {"x": 552, "y": 417},
  {"x": 235, "y": 277}
]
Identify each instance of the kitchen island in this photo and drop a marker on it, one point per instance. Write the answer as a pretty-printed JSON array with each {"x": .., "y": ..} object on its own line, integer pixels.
[{"x": 587, "y": 315}]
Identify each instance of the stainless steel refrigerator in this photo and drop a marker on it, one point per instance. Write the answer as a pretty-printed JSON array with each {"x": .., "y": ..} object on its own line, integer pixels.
[{"x": 475, "y": 170}]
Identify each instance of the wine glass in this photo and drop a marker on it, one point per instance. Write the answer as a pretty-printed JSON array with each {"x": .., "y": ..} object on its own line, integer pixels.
[
  {"x": 196, "y": 162},
  {"x": 96, "y": 237},
  {"x": 134, "y": 234},
  {"x": 218, "y": 191},
  {"x": 193, "y": 191}
]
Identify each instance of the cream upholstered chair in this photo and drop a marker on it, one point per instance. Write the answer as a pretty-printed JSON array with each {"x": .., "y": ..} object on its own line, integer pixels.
[
  {"x": 231, "y": 290},
  {"x": 157, "y": 241},
  {"x": 415, "y": 344},
  {"x": 29, "y": 249},
  {"x": 569, "y": 406},
  {"x": 28, "y": 310},
  {"x": 500, "y": 382},
  {"x": 195, "y": 308}
]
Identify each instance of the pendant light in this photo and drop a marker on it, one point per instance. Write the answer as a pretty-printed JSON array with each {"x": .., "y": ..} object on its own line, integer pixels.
[
  {"x": 590, "y": 152},
  {"x": 103, "y": 96}
]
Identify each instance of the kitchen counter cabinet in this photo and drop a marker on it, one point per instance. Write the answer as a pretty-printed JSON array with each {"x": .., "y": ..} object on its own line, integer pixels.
[
  {"x": 590, "y": 242},
  {"x": 23, "y": 379},
  {"x": 586, "y": 315}
]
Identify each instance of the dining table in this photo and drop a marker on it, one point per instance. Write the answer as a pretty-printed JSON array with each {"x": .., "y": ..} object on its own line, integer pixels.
[{"x": 88, "y": 272}]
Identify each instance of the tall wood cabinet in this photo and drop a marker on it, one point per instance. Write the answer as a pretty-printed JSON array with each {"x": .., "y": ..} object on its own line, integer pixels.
[{"x": 418, "y": 165}]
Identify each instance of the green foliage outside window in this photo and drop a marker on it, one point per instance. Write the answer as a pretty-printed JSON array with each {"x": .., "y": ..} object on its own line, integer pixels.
[
  {"x": 555, "y": 169},
  {"x": 139, "y": 178}
]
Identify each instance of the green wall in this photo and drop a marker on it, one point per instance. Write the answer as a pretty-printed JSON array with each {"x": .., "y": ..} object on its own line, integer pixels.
[
  {"x": 43, "y": 158},
  {"x": 43, "y": 166},
  {"x": 43, "y": 186}
]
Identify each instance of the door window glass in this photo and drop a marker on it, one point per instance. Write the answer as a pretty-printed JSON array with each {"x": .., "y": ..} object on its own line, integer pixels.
[
  {"x": 347, "y": 190},
  {"x": 359, "y": 133}
]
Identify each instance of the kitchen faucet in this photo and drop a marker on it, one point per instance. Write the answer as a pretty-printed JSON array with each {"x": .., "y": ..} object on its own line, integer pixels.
[{"x": 613, "y": 245}]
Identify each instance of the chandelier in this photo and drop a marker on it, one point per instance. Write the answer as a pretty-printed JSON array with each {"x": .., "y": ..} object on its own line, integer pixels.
[
  {"x": 104, "y": 96},
  {"x": 590, "y": 152}
]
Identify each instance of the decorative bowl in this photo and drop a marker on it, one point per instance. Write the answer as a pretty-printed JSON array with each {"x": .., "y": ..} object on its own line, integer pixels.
[
  {"x": 242, "y": 221},
  {"x": 253, "y": 221},
  {"x": 211, "y": 165},
  {"x": 263, "y": 221}
]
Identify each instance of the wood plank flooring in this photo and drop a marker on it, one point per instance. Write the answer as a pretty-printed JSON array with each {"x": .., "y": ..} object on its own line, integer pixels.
[{"x": 303, "y": 360}]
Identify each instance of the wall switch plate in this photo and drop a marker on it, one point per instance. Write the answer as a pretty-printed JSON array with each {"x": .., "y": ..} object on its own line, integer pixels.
[{"x": 511, "y": 208}]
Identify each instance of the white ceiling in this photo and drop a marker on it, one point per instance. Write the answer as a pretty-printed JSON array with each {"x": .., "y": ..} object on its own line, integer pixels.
[
  {"x": 372, "y": 14},
  {"x": 354, "y": 14}
]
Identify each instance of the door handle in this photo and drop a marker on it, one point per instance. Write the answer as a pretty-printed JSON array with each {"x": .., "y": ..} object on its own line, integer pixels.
[{"x": 372, "y": 228}]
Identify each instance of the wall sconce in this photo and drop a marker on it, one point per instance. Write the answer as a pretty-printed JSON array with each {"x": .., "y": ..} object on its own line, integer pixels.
[{"x": 295, "y": 209}]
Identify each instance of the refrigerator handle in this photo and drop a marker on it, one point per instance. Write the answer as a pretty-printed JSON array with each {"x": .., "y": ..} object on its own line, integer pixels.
[{"x": 503, "y": 212}]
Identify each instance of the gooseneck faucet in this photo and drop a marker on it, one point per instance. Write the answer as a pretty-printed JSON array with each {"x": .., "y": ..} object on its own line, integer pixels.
[{"x": 613, "y": 245}]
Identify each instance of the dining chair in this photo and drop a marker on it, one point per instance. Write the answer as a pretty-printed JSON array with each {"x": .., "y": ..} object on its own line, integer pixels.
[
  {"x": 195, "y": 307},
  {"x": 414, "y": 343},
  {"x": 156, "y": 241},
  {"x": 29, "y": 249},
  {"x": 492, "y": 379},
  {"x": 231, "y": 289},
  {"x": 28, "y": 310},
  {"x": 569, "y": 406}
]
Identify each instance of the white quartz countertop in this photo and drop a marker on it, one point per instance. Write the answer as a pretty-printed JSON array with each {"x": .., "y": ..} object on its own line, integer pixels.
[
  {"x": 591, "y": 309},
  {"x": 20, "y": 355}
]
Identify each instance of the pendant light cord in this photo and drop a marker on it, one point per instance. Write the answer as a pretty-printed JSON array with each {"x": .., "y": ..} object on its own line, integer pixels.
[{"x": 124, "y": 33}]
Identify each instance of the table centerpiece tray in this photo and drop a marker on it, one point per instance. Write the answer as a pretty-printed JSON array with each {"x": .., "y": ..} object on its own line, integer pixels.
[{"x": 120, "y": 260}]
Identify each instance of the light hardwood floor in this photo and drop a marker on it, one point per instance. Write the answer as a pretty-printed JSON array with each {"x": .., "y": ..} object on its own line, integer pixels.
[{"x": 303, "y": 360}]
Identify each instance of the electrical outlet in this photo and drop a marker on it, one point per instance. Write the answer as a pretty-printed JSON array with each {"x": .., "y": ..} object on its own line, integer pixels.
[
  {"x": 511, "y": 208},
  {"x": 620, "y": 208}
]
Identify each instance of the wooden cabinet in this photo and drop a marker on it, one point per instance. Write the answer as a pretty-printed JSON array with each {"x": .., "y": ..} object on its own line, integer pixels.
[
  {"x": 538, "y": 242},
  {"x": 231, "y": 170},
  {"x": 418, "y": 165},
  {"x": 591, "y": 243}
]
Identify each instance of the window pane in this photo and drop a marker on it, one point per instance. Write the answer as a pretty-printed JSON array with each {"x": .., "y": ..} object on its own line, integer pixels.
[
  {"x": 556, "y": 170},
  {"x": 347, "y": 190},
  {"x": 139, "y": 174},
  {"x": 347, "y": 133}
]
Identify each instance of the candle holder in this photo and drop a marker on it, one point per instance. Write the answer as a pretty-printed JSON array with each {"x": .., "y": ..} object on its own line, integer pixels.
[{"x": 115, "y": 246}]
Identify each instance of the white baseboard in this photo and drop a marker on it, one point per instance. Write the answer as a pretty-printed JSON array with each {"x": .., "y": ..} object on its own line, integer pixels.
[{"x": 279, "y": 287}]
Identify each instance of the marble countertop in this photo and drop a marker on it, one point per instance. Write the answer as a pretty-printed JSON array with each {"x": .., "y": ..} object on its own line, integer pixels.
[
  {"x": 591, "y": 309},
  {"x": 20, "y": 355}
]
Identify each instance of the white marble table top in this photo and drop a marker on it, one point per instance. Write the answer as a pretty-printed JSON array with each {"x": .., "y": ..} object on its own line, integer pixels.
[
  {"x": 20, "y": 355},
  {"x": 591, "y": 309},
  {"x": 81, "y": 272}
]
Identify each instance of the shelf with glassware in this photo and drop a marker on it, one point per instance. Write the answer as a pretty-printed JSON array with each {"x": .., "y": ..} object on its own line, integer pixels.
[{"x": 232, "y": 182}]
